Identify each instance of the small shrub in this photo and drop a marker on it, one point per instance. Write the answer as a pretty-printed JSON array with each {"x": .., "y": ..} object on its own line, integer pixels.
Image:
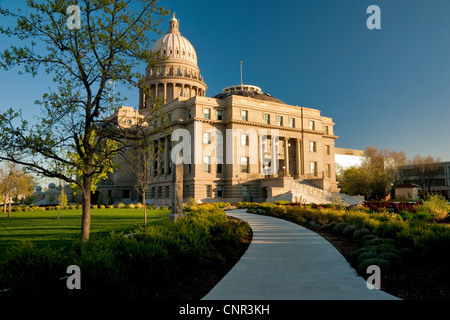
[
  {"x": 349, "y": 230},
  {"x": 393, "y": 258},
  {"x": 111, "y": 206},
  {"x": 359, "y": 234},
  {"x": 282, "y": 202},
  {"x": 377, "y": 241},
  {"x": 355, "y": 254},
  {"x": 366, "y": 255},
  {"x": 385, "y": 247},
  {"x": 94, "y": 206},
  {"x": 139, "y": 205},
  {"x": 339, "y": 227},
  {"x": 131, "y": 206},
  {"x": 367, "y": 237},
  {"x": 382, "y": 263},
  {"x": 121, "y": 205},
  {"x": 313, "y": 225},
  {"x": 326, "y": 226},
  {"x": 102, "y": 206},
  {"x": 437, "y": 206}
]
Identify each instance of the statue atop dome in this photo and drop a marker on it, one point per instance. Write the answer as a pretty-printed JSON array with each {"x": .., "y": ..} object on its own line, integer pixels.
[{"x": 173, "y": 25}]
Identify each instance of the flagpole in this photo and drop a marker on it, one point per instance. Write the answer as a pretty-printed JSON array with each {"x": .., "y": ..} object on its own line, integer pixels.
[{"x": 241, "y": 78}]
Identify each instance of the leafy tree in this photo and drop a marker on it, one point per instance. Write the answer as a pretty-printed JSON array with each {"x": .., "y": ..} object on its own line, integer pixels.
[
  {"x": 14, "y": 182},
  {"x": 71, "y": 141},
  {"x": 376, "y": 175}
]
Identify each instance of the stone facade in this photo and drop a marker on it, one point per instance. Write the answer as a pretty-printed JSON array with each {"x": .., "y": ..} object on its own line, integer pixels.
[{"x": 245, "y": 145}]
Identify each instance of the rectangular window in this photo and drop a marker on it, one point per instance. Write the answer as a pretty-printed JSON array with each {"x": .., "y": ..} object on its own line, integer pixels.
[
  {"x": 246, "y": 192},
  {"x": 244, "y": 115},
  {"x": 244, "y": 139},
  {"x": 292, "y": 122},
  {"x": 159, "y": 192},
  {"x": 207, "y": 164},
  {"x": 208, "y": 191},
  {"x": 326, "y": 129},
  {"x": 207, "y": 137},
  {"x": 219, "y": 165},
  {"x": 219, "y": 191},
  {"x": 244, "y": 165},
  {"x": 169, "y": 118},
  {"x": 328, "y": 170},
  {"x": 313, "y": 165},
  {"x": 312, "y": 125},
  {"x": 312, "y": 146},
  {"x": 279, "y": 120},
  {"x": 219, "y": 115},
  {"x": 189, "y": 114},
  {"x": 327, "y": 149},
  {"x": 266, "y": 118},
  {"x": 186, "y": 192},
  {"x": 207, "y": 113},
  {"x": 152, "y": 193},
  {"x": 166, "y": 191}
]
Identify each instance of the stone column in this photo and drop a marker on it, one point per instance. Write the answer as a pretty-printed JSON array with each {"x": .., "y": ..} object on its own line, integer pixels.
[
  {"x": 166, "y": 155},
  {"x": 165, "y": 93},
  {"x": 297, "y": 159},
  {"x": 177, "y": 189},
  {"x": 286, "y": 156}
]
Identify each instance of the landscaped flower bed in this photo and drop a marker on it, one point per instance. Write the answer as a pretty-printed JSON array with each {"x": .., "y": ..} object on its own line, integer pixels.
[{"x": 389, "y": 240}]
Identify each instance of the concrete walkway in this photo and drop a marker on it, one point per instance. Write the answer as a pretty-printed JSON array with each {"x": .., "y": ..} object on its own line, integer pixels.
[{"x": 286, "y": 261}]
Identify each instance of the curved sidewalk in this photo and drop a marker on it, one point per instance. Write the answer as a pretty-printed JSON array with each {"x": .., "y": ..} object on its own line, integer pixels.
[{"x": 286, "y": 261}]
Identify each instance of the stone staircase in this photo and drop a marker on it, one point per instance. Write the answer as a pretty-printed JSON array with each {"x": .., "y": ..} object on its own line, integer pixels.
[{"x": 304, "y": 192}]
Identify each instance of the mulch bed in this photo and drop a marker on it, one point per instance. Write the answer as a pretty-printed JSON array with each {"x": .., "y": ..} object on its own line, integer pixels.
[{"x": 412, "y": 282}]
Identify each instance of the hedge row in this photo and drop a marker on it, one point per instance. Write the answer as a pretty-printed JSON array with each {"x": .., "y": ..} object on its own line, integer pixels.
[
  {"x": 429, "y": 240},
  {"x": 151, "y": 264}
]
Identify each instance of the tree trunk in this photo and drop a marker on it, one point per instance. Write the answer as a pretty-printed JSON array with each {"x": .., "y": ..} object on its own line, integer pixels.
[
  {"x": 9, "y": 207},
  {"x": 145, "y": 209},
  {"x": 86, "y": 207}
]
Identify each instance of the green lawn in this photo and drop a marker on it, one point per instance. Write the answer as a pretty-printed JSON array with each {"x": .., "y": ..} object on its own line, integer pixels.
[{"x": 43, "y": 228}]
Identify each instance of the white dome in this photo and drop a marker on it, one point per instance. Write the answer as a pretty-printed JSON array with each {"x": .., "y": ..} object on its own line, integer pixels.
[{"x": 174, "y": 45}]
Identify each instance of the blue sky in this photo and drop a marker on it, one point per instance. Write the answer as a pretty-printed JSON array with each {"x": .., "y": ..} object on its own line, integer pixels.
[{"x": 387, "y": 88}]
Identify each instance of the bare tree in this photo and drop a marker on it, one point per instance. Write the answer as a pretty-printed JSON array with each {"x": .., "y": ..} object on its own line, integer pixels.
[
  {"x": 144, "y": 150},
  {"x": 427, "y": 169}
]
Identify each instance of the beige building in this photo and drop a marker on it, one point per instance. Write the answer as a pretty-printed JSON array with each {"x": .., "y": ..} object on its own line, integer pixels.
[{"x": 239, "y": 145}]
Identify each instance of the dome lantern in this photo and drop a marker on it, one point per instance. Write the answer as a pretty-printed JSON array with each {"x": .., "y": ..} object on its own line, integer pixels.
[
  {"x": 173, "y": 25},
  {"x": 176, "y": 75}
]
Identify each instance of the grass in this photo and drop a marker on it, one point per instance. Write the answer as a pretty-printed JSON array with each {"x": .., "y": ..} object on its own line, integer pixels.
[{"x": 43, "y": 228}]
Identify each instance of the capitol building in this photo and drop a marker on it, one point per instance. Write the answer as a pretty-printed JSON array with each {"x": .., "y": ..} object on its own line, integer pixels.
[{"x": 241, "y": 144}]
